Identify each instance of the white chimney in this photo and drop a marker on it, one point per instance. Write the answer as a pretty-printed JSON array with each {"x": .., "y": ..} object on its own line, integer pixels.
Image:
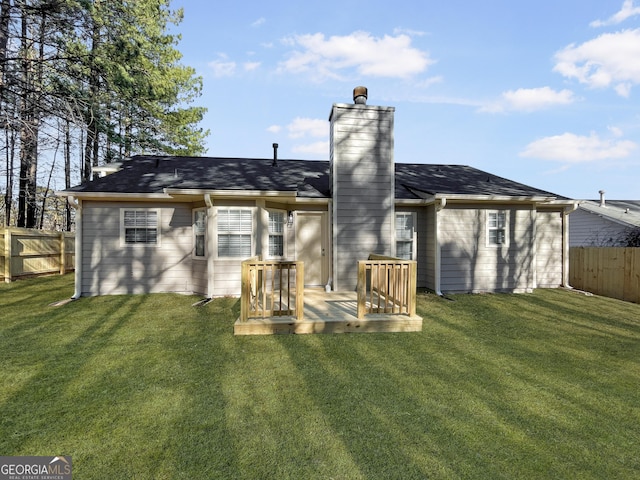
[{"x": 602, "y": 202}]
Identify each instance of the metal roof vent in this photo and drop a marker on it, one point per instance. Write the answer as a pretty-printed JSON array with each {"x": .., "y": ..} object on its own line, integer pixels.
[
  {"x": 602, "y": 202},
  {"x": 360, "y": 95},
  {"x": 275, "y": 155}
]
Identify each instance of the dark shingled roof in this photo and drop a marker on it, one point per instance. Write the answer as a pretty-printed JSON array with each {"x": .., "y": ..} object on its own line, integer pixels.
[
  {"x": 152, "y": 174},
  {"x": 307, "y": 178},
  {"x": 411, "y": 179}
]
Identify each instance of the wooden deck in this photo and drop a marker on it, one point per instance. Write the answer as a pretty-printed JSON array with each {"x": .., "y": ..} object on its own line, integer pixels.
[{"x": 334, "y": 312}]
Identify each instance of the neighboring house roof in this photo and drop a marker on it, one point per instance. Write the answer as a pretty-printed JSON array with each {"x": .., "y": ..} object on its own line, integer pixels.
[
  {"x": 305, "y": 178},
  {"x": 625, "y": 212}
]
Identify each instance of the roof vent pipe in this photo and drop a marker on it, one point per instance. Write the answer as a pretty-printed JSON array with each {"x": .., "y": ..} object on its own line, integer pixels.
[
  {"x": 360, "y": 95},
  {"x": 602, "y": 202},
  {"x": 275, "y": 155}
]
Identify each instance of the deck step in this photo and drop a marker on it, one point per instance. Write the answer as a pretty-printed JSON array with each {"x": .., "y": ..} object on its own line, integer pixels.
[{"x": 289, "y": 325}]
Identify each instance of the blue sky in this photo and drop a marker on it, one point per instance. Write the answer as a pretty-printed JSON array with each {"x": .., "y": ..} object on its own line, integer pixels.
[{"x": 542, "y": 92}]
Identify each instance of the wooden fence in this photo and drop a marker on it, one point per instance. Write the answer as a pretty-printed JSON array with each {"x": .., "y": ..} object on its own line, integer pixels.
[
  {"x": 26, "y": 252},
  {"x": 609, "y": 271},
  {"x": 271, "y": 289},
  {"x": 386, "y": 285}
]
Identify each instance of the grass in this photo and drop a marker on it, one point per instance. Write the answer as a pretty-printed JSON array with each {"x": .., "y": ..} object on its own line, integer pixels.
[{"x": 543, "y": 385}]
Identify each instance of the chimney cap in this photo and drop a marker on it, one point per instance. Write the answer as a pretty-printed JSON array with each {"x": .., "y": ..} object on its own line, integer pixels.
[{"x": 360, "y": 95}]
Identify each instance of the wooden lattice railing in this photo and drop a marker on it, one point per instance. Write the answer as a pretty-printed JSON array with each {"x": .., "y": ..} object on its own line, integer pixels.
[
  {"x": 386, "y": 285},
  {"x": 271, "y": 289}
]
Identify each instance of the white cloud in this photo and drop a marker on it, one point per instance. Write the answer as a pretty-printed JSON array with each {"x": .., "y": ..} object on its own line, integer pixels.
[
  {"x": 316, "y": 148},
  {"x": 616, "y": 131},
  {"x": 610, "y": 60},
  {"x": 529, "y": 100},
  {"x": 572, "y": 148},
  {"x": 389, "y": 56},
  {"x": 250, "y": 66},
  {"x": 408, "y": 31},
  {"x": 259, "y": 22},
  {"x": 627, "y": 11},
  {"x": 301, "y": 127},
  {"x": 426, "y": 83},
  {"x": 274, "y": 129},
  {"x": 222, "y": 67}
]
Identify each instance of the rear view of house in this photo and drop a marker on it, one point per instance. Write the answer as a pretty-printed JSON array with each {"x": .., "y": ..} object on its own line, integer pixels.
[{"x": 184, "y": 224}]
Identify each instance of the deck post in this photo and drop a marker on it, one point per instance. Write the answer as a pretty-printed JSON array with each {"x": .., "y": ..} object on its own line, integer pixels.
[
  {"x": 362, "y": 288},
  {"x": 299, "y": 291},
  {"x": 245, "y": 295},
  {"x": 413, "y": 287}
]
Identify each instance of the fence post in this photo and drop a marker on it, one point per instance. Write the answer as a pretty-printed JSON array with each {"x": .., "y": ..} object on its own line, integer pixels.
[
  {"x": 63, "y": 254},
  {"x": 7, "y": 255}
]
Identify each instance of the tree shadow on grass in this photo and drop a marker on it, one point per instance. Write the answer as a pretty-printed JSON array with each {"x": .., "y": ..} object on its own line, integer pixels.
[
  {"x": 569, "y": 374},
  {"x": 460, "y": 401},
  {"x": 131, "y": 385},
  {"x": 52, "y": 361},
  {"x": 392, "y": 404}
]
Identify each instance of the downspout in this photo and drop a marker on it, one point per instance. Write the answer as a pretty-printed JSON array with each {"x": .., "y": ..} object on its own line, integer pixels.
[
  {"x": 565, "y": 243},
  {"x": 438, "y": 262},
  {"x": 329, "y": 240},
  {"x": 77, "y": 205},
  {"x": 209, "y": 245}
]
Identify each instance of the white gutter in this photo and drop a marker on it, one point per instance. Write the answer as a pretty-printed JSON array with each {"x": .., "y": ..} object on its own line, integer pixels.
[
  {"x": 77, "y": 205},
  {"x": 438, "y": 281},
  {"x": 209, "y": 245},
  {"x": 113, "y": 195},
  {"x": 565, "y": 242}
]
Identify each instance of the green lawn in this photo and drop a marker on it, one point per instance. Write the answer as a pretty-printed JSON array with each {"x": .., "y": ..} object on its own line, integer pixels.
[{"x": 543, "y": 385}]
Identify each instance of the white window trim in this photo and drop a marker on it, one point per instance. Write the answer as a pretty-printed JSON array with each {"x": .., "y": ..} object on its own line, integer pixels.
[
  {"x": 206, "y": 233},
  {"x": 505, "y": 227},
  {"x": 216, "y": 233},
  {"x": 414, "y": 242},
  {"x": 284, "y": 235},
  {"x": 123, "y": 242}
]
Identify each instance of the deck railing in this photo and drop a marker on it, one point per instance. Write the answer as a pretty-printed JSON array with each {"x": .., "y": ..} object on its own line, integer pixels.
[
  {"x": 386, "y": 285},
  {"x": 271, "y": 289}
]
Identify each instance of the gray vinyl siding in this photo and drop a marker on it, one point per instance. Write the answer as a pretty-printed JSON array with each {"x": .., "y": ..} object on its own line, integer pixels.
[
  {"x": 427, "y": 271},
  {"x": 199, "y": 276},
  {"x": 362, "y": 187},
  {"x": 588, "y": 229},
  {"x": 227, "y": 277},
  {"x": 111, "y": 268},
  {"x": 469, "y": 264},
  {"x": 549, "y": 253}
]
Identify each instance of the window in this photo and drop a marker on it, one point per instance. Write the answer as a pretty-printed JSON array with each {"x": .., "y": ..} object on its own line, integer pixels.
[
  {"x": 276, "y": 234},
  {"x": 404, "y": 235},
  {"x": 496, "y": 222},
  {"x": 199, "y": 233},
  {"x": 139, "y": 226},
  {"x": 235, "y": 227}
]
